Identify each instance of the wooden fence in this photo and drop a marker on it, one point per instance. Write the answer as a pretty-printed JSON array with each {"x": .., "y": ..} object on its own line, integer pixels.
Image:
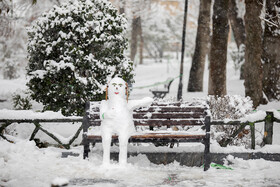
[
  {"x": 268, "y": 128},
  {"x": 36, "y": 122},
  {"x": 268, "y": 132}
]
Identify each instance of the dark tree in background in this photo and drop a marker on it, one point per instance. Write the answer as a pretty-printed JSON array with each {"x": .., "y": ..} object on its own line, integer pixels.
[
  {"x": 253, "y": 51},
  {"x": 122, "y": 6},
  {"x": 238, "y": 28},
  {"x": 136, "y": 22},
  {"x": 201, "y": 47},
  {"x": 271, "y": 53},
  {"x": 218, "y": 51},
  {"x": 136, "y": 30},
  {"x": 141, "y": 47},
  {"x": 237, "y": 24}
]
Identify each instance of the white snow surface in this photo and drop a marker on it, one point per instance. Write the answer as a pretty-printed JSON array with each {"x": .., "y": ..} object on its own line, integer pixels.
[
  {"x": 29, "y": 114},
  {"x": 23, "y": 164},
  {"x": 276, "y": 114},
  {"x": 259, "y": 115}
]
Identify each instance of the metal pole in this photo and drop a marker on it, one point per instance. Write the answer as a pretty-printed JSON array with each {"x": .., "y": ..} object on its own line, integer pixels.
[{"x": 180, "y": 89}]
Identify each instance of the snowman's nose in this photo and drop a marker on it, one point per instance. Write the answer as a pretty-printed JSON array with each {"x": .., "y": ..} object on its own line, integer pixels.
[{"x": 117, "y": 88}]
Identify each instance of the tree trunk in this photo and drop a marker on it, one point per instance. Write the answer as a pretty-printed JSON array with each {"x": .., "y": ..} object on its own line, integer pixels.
[
  {"x": 122, "y": 6},
  {"x": 253, "y": 51},
  {"x": 134, "y": 34},
  {"x": 218, "y": 51},
  {"x": 238, "y": 28},
  {"x": 201, "y": 47},
  {"x": 271, "y": 55},
  {"x": 236, "y": 23},
  {"x": 141, "y": 42}
]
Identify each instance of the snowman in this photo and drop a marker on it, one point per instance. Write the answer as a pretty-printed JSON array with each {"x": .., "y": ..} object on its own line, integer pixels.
[{"x": 116, "y": 118}]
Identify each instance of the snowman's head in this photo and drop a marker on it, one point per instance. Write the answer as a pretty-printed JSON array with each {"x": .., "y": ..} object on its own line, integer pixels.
[{"x": 117, "y": 88}]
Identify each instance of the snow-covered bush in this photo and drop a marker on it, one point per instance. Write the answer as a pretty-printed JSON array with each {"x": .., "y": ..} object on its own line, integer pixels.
[
  {"x": 238, "y": 57},
  {"x": 162, "y": 29},
  {"x": 73, "y": 50},
  {"x": 13, "y": 39},
  {"x": 230, "y": 107},
  {"x": 22, "y": 102},
  {"x": 156, "y": 30},
  {"x": 10, "y": 68}
]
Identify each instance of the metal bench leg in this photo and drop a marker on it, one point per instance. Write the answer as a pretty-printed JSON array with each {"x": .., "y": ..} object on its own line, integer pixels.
[
  {"x": 86, "y": 148},
  {"x": 85, "y": 129},
  {"x": 207, "y": 158},
  {"x": 206, "y": 155}
]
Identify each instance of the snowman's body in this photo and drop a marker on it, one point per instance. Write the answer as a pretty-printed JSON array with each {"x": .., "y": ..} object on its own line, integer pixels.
[{"x": 116, "y": 118}]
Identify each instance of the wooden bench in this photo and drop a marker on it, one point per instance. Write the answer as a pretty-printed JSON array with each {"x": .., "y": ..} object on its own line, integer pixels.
[
  {"x": 152, "y": 119},
  {"x": 161, "y": 93}
]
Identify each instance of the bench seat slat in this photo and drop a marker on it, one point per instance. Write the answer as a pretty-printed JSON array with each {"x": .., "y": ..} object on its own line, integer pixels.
[
  {"x": 163, "y": 90},
  {"x": 178, "y": 104},
  {"x": 162, "y": 104},
  {"x": 157, "y": 122},
  {"x": 160, "y": 115},
  {"x": 171, "y": 109},
  {"x": 163, "y": 109},
  {"x": 168, "y": 115},
  {"x": 155, "y": 137}
]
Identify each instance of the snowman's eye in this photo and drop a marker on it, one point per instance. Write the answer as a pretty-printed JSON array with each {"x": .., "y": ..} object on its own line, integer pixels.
[
  {"x": 120, "y": 85},
  {"x": 114, "y": 84}
]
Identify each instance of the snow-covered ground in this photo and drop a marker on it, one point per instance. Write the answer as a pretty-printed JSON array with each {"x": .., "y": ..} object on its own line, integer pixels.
[{"x": 23, "y": 164}]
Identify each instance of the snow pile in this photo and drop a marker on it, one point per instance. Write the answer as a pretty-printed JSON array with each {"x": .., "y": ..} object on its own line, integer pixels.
[
  {"x": 276, "y": 114},
  {"x": 257, "y": 116},
  {"x": 29, "y": 114},
  {"x": 23, "y": 164}
]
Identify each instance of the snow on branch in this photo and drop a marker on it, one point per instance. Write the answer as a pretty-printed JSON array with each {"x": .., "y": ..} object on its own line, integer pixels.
[{"x": 270, "y": 22}]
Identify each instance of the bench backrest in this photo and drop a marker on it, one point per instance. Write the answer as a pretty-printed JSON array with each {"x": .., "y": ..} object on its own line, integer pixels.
[
  {"x": 158, "y": 114},
  {"x": 168, "y": 84}
]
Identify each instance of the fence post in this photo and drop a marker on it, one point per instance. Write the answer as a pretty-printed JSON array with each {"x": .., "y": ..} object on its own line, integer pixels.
[
  {"x": 252, "y": 128},
  {"x": 268, "y": 128}
]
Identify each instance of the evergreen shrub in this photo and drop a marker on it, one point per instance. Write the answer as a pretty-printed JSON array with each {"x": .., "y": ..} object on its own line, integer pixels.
[{"x": 74, "y": 50}]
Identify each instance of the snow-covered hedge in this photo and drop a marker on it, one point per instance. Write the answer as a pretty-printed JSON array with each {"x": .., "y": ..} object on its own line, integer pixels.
[
  {"x": 230, "y": 107},
  {"x": 73, "y": 50}
]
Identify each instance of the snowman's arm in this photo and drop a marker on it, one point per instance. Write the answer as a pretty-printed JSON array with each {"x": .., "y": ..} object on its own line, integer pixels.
[
  {"x": 103, "y": 108},
  {"x": 133, "y": 104}
]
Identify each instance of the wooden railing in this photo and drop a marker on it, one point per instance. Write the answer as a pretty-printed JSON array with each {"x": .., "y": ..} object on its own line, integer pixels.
[
  {"x": 268, "y": 128},
  {"x": 36, "y": 122}
]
